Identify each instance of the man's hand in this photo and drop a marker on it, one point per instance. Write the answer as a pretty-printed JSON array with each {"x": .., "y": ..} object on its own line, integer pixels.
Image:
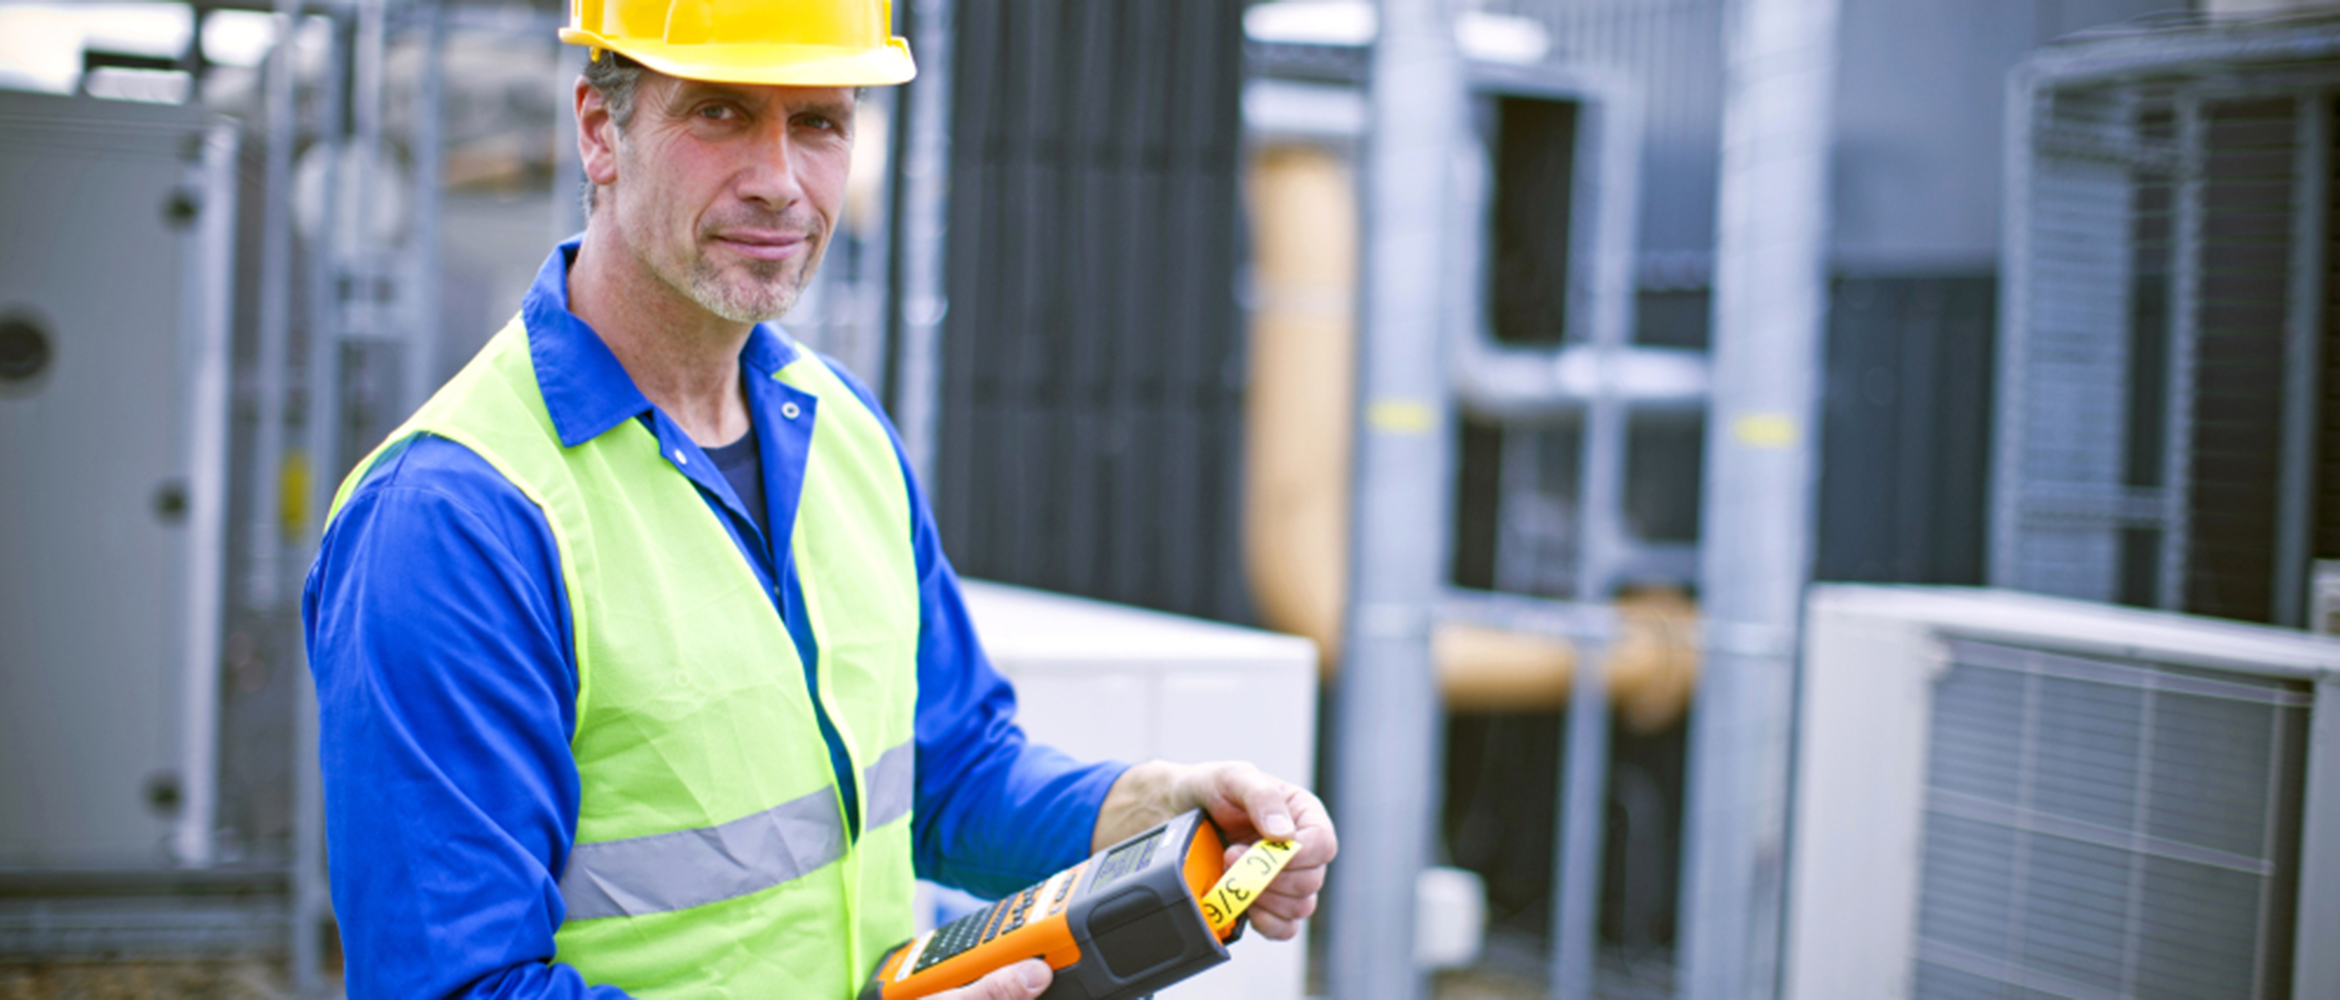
[
  {"x": 1247, "y": 805},
  {"x": 1021, "y": 981}
]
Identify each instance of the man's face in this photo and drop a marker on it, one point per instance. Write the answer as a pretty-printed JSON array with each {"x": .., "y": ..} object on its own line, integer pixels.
[{"x": 728, "y": 193}]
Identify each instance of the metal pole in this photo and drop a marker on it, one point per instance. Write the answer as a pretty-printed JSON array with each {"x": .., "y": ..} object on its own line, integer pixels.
[
  {"x": 2185, "y": 303},
  {"x": 568, "y": 191},
  {"x": 926, "y": 178},
  {"x": 312, "y": 898},
  {"x": 1584, "y": 792},
  {"x": 873, "y": 278},
  {"x": 1770, "y": 304},
  {"x": 2010, "y": 405},
  {"x": 210, "y": 373},
  {"x": 2295, "y": 536},
  {"x": 366, "y": 98},
  {"x": 421, "y": 376},
  {"x": 1385, "y": 775},
  {"x": 260, "y": 578},
  {"x": 1584, "y": 783},
  {"x": 328, "y": 315}
]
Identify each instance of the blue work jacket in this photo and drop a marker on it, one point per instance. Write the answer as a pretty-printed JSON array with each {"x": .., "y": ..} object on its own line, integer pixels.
[{"x": 439, "y": 635}]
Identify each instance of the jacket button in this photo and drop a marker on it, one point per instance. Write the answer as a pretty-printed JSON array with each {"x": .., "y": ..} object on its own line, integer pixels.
[
  {"x": 789, "y": 410},
  {"x": 680, "y": 458}
]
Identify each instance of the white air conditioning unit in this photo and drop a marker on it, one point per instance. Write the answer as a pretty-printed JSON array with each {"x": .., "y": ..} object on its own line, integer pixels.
[
  {"x": 1107, "y": 681},
  {"x": 2002, "y": 794}
]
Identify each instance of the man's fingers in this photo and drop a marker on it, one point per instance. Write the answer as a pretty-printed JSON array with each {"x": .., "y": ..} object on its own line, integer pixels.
[
  {"x": 1268, "y": 803},
  {"x": 1280, "y": 918},
  {"x": 1021, "y": 981},
  {"x": 1262, "y": 802},
  {"x": 1274, "y": 928},
  {"x": 1289, "y": 909},
  {"x": 1318, "y": 842},
  {"x": 1297, "y": 882},
  {"x": 1241, "y": 796},
  {"x": 1287, "y": 901},
  {"x": 1278, "y": 809}
]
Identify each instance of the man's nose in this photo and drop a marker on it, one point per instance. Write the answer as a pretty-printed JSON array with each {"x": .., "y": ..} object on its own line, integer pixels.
[{"x": 772, "y": 174}]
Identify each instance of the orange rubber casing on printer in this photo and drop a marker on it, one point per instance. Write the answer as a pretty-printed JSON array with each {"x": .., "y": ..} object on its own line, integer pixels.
[{"x": 1120, "y": 925}]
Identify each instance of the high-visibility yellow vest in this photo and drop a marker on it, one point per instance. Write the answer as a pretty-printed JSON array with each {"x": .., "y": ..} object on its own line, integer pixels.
[{"x": 712, "y": 858}]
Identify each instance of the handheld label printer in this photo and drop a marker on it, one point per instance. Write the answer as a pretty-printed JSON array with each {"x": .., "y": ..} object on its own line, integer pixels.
[{"x": 1134, "y": 918}]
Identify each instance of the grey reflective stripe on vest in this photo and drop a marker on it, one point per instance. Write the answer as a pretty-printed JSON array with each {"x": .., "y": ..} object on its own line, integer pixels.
[
  {"x": 639, "y": 876},
  {"x": 891, "y": 783}
]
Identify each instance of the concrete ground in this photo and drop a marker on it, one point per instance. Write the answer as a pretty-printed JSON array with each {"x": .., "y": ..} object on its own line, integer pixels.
[{"x": 209, "y": 979}]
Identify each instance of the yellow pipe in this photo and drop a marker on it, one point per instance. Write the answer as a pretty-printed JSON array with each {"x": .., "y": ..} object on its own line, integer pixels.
[
  {"x": 1303, "y": 378},
  {"x": 1298, "y": 442}
]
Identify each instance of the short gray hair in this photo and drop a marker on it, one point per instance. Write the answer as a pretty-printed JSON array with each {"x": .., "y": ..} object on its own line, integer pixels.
[{"x": 615, "y": 78}]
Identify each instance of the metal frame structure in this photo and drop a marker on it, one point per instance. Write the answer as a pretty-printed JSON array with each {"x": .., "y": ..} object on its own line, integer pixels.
[
  {"x": 359, "y": 293},
  {"x": 1595, "y": 373},
  {"x": 362, "y": 293},
  {"x": 2074, "y": 111},
  {"x": 1598, "y": 374},
  {"x": 1771, "y": 330}
]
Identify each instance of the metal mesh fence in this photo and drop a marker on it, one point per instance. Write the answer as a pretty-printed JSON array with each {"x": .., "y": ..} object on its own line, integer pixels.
[{"x": 2161, "y": 281}]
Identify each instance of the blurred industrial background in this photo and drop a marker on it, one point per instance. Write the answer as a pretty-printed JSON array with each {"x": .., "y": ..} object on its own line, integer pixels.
[{"x": 1790, "y": 498}]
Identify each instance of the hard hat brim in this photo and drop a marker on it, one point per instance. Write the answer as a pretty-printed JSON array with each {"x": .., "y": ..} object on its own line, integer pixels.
[{"x": 769, "y": 65}]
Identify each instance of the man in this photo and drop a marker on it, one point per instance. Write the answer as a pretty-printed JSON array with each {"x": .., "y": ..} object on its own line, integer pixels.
[{"x": 640, "y": 666}]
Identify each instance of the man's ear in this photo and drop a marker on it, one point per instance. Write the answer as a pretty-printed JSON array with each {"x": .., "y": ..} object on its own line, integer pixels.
[{"x": 596, "y": 135}]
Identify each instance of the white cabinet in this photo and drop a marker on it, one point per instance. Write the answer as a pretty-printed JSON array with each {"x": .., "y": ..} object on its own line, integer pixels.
[{"x": 1102, "y": 680}]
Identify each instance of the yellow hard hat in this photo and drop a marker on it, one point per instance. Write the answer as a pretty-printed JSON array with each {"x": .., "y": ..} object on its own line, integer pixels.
[{"x": 799, "y": 43}]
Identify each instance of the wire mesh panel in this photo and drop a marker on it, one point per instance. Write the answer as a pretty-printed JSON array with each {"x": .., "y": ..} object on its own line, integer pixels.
[
  {"x": 2070, "y": 359},
  {"x": 2100, "y": 828},
  {"x": 2167, "y": 212}
]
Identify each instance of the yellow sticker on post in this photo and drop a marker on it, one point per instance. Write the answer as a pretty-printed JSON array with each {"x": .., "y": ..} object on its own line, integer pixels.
[{"x": 1244, "y": 881}]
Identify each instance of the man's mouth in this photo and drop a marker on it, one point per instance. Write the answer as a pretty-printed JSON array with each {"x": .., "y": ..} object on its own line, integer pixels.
[{"x": 763, "y": 244}]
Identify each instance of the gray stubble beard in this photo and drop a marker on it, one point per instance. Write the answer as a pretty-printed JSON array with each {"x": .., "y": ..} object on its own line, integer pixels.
[{"x": 712, "y": 293}]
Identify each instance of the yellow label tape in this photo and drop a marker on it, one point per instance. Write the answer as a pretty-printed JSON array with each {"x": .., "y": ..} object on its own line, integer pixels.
[{"x": 1244, "y": 881}]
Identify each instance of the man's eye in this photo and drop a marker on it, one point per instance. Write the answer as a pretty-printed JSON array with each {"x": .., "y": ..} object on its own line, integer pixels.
[
  {"x": 717, "y": 112},
  {"x": 822, "y": 122}
]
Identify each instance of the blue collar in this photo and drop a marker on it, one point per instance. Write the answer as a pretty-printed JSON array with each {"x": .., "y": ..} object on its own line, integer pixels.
[{"x": 584, "y": 386}]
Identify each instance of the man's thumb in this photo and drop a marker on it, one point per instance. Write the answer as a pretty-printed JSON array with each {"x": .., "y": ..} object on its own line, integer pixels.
[{"x": 1021, "y": 981}]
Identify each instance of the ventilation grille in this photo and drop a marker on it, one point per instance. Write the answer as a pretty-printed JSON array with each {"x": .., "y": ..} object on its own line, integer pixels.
[
  {"x": 2108, "y": 828},
  {"x": 1092, "y": 392}
]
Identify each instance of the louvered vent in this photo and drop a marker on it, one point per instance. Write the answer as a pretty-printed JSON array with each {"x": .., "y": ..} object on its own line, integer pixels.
[
  {"x": 1092, "y": 391},
  {"x": 2108, "y": 828}
]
